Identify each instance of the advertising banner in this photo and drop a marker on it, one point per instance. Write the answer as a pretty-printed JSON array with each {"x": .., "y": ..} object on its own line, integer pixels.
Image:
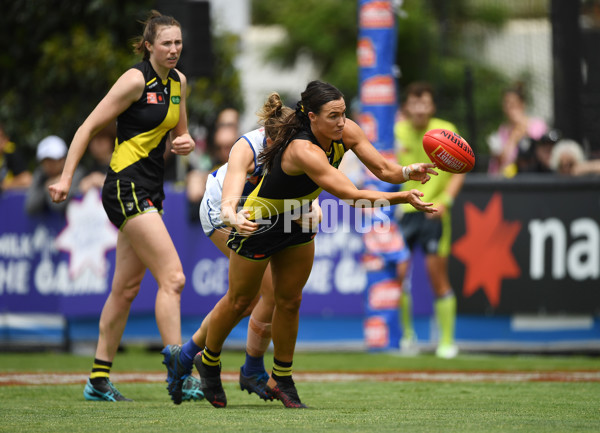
[
  {"x": 64, "y": 264},
  {"x": 527, "y": 246},
  {"x": 376, "y": 58},
  {"x": 521, "y": 249}
]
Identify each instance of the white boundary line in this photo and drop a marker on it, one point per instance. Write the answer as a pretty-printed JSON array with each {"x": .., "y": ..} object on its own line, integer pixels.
[{"x": 397, "y": 376}]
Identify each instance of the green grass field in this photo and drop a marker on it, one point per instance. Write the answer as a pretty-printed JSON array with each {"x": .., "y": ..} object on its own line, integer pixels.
[{"x": 477, "y": 405}]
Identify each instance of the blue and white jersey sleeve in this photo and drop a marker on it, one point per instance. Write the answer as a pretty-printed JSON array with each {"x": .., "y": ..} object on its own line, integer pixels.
[
  {"x": 211, "y": 202},
  {"x": 214, "y": 184}
]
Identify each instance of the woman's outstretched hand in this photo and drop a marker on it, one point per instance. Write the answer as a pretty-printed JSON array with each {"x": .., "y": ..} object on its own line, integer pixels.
[
  {"x": 414, "y": 198},
  {"x": 419, "y": 171}
]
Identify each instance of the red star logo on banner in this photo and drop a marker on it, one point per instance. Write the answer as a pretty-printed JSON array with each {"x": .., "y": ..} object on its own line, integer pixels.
[{"x": 485, "y": 250}]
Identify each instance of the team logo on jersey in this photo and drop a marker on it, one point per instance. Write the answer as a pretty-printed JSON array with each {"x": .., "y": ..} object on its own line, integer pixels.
[
  {"x": 155, "y": 98},
  {"x": 332, "y": 157},
  {"x": 129, "y": 206},
  {"x": 175, "y": 99}
]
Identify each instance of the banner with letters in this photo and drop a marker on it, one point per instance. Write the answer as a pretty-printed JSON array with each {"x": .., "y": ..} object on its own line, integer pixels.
[
  {"x": 64, "y": 264},
  {"x": 519, "y": 247},
  {"x": 531, "y": 245}
]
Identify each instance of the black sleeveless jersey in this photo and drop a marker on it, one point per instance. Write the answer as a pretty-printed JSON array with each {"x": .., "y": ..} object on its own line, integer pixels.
[
  {"x": 142, "y": 131},
  {"x": 276, "y": 186}
]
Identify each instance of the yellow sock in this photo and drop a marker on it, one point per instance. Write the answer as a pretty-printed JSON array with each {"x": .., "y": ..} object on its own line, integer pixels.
[
  {"x": 281, "y": 370},
  {"x": 100, "y": 369},
  {"x": 445, "y": 312},
  {"x": 406, "y": 314},
  {"x": 210, "y": 358}
]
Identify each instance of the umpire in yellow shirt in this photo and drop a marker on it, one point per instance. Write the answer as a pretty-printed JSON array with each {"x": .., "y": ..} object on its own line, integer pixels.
[{"x": 429, "y": 231}]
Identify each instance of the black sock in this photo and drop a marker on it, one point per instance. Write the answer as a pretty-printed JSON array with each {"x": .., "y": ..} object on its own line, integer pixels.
[{"x": 100, "y": 371}]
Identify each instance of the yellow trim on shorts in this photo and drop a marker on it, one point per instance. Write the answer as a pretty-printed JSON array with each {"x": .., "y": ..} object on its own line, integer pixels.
[
  {"x": 267, "y": 258},
  {"x": 237, "y": 251},
  {"x": 119, "y": 199},
  {"x": 127, "y": 218},
  {"x": 299, "y": 245},
  {"x": 135, "y": 199}
]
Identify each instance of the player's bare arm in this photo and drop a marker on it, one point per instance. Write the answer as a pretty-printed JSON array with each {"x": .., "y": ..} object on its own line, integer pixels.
[
  {"x": 126, "y": 90},
  {"x": 182, "y": 142},
  {"x": 241, "y": 162},
  {"x": 303, "y": 157},
  {"x": 355, "y": 139}
]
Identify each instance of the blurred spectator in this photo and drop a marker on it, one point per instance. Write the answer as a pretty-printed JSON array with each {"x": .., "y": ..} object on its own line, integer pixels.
[
  {"x": 51, "y": 154},
  {"x": 537, "y": 159},
  {"x": 172, "y": 164},
  {"x": 225, "y": 135},
  {"x": 13, "y": 171},
  {"x": 100, "y": 149},
  {"x": 566, "y": 155},
  {"x": 223, "y": 141},
  {"x": 199, "y": 160},
  {"x": 515, "y": 136},
  {"x": 590, "y": 14},
  {"x": 587, "y": 167},
  {"x": 177, "y": 167},
  {"x": 229, "y": 118}
]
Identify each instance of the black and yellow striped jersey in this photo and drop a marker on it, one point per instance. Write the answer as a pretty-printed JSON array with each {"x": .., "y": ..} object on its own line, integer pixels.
[
  {"x": 279, "y": 192},
  {"x": 142, "y": 131},
  {"x": 11, "y": 163}
]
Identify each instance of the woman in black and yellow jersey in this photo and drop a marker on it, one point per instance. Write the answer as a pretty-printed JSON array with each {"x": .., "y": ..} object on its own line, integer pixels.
[
  {"x": 13, "y": 169},
  {"x": 148, "y": 102},
  {"x": 301, "y": 162}
]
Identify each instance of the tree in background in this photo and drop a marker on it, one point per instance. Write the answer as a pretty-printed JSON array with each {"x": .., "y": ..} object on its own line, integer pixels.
[
  {"x": 430, "y": 46},
  {"x": 59, "y": 58},
  {"x": 326, "y": 29},
  {"x": 222, "y": 89}
]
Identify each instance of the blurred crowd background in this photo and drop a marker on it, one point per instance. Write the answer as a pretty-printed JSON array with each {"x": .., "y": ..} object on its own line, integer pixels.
[{"x": 61, "y": 58}]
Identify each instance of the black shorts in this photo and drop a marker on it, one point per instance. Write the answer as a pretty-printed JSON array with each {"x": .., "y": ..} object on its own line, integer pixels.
[
  {"x": 421, "y": 231},
  {"x": 264, "y": 243},
  {"x": 123, "y": 199}
]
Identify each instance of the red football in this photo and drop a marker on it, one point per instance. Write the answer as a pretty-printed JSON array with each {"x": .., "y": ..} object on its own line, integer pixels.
[{"x": 449, "y": 151}]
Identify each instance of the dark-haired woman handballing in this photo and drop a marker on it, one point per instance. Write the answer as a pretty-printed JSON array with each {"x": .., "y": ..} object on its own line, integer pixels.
[{"x": 301, "y": 162}]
